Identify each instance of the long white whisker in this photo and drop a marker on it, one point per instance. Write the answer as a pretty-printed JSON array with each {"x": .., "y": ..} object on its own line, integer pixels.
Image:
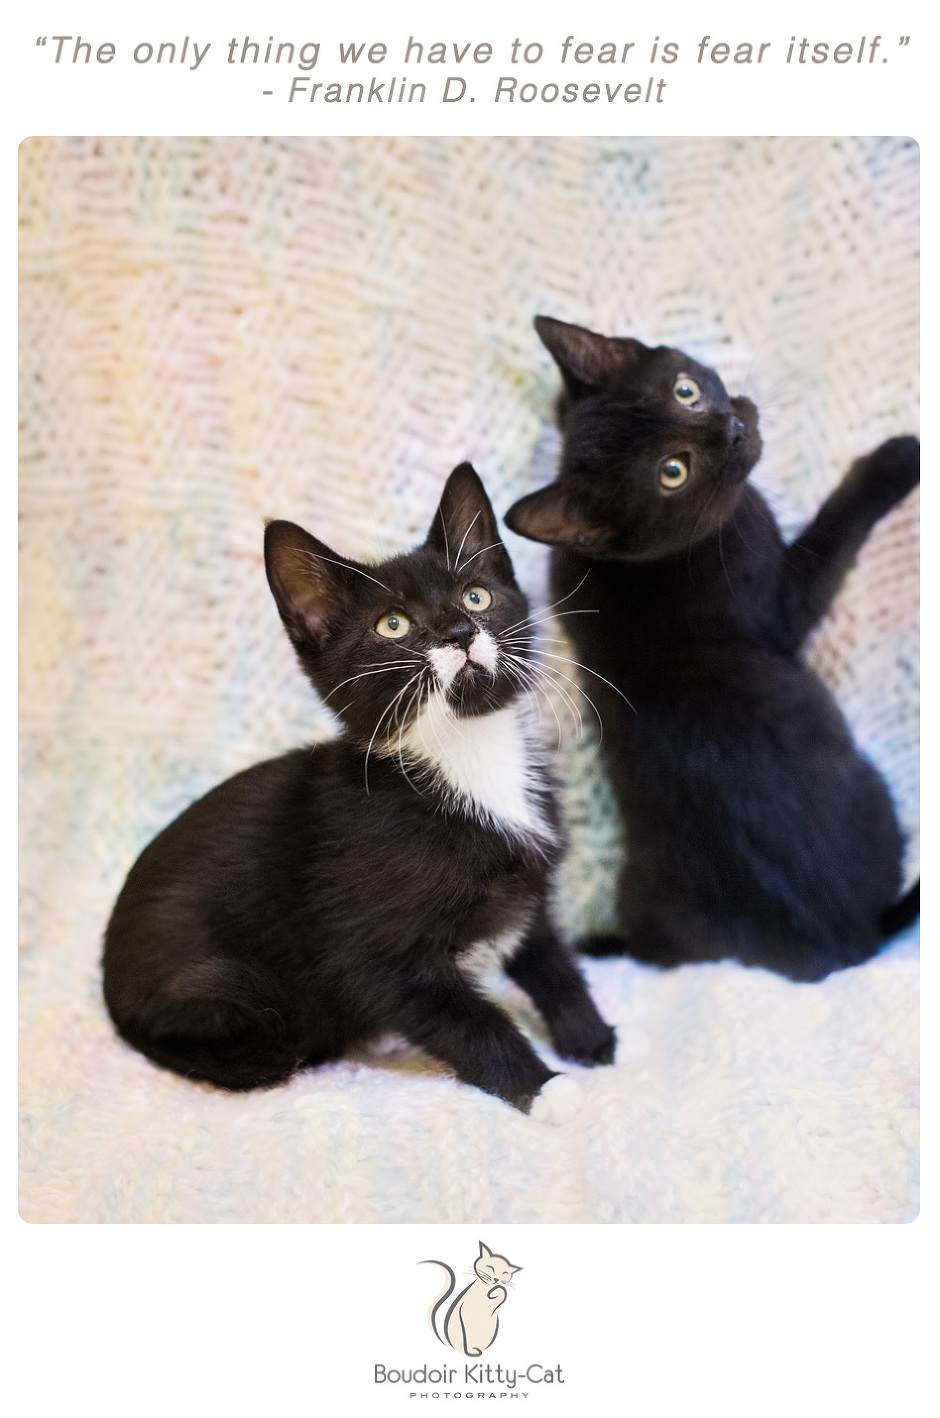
[
  {"x": 537, "y": 676},
  {"x": 446, "y": 543},
  {"x": 538, "y": 639},
  {"x": 574, "y": 705},
  {"x": 385, "y": 711},
  {"x": 437, "y": 733},
  {"x": 548, "y": 671},
  {"x": 527, "y": 624},
  {"x": 401, "y": 731},
  {"x": 559, "y": 602},
  {"x": 373, "y": 664},
  {"x": 514, "y": 667},
  {"x": 491, "y": 547},
  {"x": 346, "y": 567},
  {"x": 366, "y": 674},
  {"x": 538, "y": 705},
  {"x": 340, "y": 712},
  {"x": 568, "y": 660},
  {"x": 464, "y": 538},
  {"x": 396, "y": 702},
  {"x": 415, "y": 654}
]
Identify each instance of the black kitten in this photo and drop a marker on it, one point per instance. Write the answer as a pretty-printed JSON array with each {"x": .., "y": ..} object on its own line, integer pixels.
[
  {"x": 754, "y": 828},
  {"x": 322, "y": 899}
]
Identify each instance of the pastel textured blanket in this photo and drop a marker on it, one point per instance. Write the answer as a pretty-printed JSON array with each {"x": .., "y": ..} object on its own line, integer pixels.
[{"x": 215, "y": 332}]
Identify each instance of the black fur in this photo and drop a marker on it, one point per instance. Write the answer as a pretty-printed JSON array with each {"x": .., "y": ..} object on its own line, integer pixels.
[
  {"x": 754, "y": 827},
  {"x": 316, "y": 901}
]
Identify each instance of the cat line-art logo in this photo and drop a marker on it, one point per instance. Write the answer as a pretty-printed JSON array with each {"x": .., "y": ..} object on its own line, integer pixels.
[{"x": 469, "y": 1322}]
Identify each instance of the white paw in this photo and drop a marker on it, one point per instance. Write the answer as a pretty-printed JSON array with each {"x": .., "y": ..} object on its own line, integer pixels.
[{"x": 558, "y": 1101}]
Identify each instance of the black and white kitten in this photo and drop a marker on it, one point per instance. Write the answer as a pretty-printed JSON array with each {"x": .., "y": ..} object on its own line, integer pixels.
[
  {"x": 326, "y": 898},
  {"x": 754, "y": 828}
]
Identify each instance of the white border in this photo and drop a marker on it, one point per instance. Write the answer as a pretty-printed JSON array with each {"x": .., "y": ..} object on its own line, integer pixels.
[{"x": 649, "y": 1319}]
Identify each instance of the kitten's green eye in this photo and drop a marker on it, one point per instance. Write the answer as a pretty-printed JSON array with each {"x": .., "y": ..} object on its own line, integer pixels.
[
  {"x": 477, "y": 598},
  {"x": 686, "y": 391},
  {"x": 673, "y": 474},
  {"x": 393, "y": 626}
]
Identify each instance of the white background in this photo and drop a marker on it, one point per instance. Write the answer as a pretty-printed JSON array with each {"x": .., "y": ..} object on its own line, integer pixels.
[{"x": 644, "y": 1320}]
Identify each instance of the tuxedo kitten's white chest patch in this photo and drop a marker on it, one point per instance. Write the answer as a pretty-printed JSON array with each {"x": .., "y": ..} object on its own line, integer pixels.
[{"x": 488, "y": 763}]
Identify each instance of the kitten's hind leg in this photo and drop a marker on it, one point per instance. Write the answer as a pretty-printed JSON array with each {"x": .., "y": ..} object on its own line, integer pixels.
[
  {"x": 542, "y": 967},
  {"x": 817, "y": 562}
]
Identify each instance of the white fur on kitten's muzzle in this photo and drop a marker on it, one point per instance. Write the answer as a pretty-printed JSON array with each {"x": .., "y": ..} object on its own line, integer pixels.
[{"x": 448, "y": 660}]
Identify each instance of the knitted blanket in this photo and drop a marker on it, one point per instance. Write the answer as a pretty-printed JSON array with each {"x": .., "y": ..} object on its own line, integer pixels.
[{"x": 215, "y": 332}]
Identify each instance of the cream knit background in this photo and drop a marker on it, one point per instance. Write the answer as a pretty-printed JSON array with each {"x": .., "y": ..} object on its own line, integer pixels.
[{"x": 219, "y": 331}]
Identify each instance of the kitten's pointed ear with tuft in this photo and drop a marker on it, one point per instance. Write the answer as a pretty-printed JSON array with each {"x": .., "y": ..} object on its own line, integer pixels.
[
  {"x": 464, "y": 528},
  {"x": 485, "y": 1252},
  {"x": 585, "y": 359},
  {"x": 307, "y": 579},
  {"x": 556, "y": 516}
]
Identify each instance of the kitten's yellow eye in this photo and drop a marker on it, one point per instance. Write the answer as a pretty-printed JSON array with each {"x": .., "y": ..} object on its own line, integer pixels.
[
  {"x": 673, "y": 474},
  {"x": 477, "y": 598},
  {"x": 393, "y": 626},
  {"x": 686, "y": 391}
]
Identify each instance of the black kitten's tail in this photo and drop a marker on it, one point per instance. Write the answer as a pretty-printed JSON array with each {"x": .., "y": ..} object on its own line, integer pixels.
[
  {"x": 214, "y": 1021},
  {"x": 903, "y": 913},
  {"x": 237, "y": 1066}
]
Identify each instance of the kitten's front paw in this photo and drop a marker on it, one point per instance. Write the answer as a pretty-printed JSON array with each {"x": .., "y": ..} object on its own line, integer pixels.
[
  {"x": 585, "y": 1040},
  {"x": 601, "y": 1049},
  {"x": 892, "y": 470},
  {"x": 557, "y": 1101}
]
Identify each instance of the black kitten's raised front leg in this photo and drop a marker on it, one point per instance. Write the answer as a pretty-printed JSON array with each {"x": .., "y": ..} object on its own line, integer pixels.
[
  {"x": 554, "y": 984},
  {"x": 816, "y": 564},
  {"x": 454, "y": 1024}
]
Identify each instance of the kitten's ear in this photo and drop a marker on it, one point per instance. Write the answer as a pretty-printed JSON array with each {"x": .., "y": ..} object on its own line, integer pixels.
[
  {"x": 464, "y": 529},
  {"x": 556, "y": 515},
  {"x": 515, "y": 1269},
  {"x": 307, "y": 580},
  {"x": 484, "y": 1252},
  {"x": 586, "y": 360}
]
